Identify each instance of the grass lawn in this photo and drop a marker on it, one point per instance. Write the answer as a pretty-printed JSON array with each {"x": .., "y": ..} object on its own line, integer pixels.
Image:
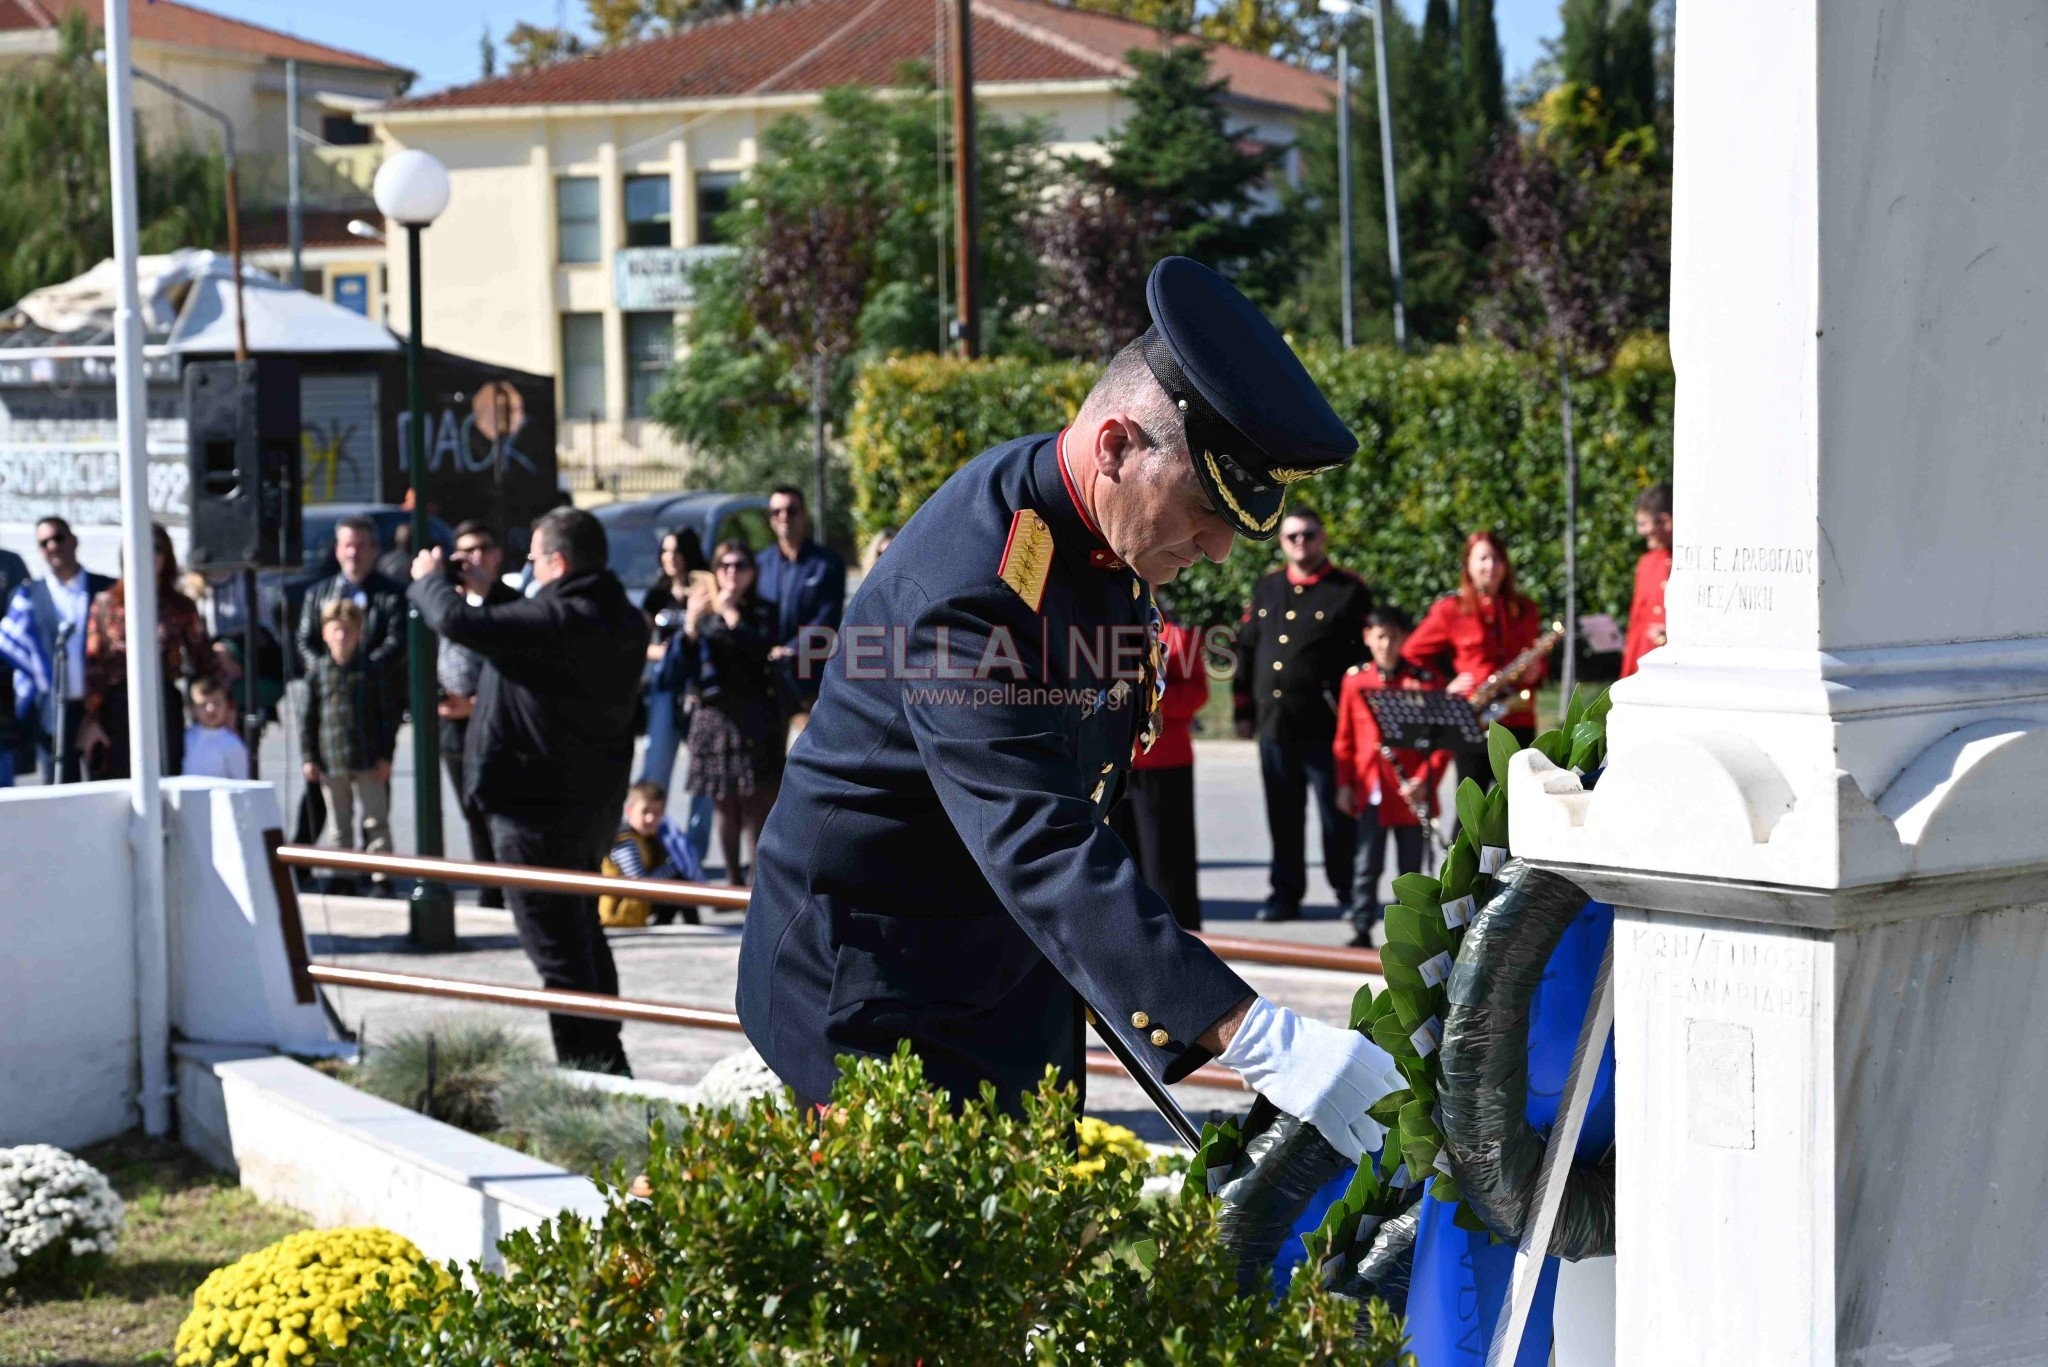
[{"x": 184, "y": 1220}]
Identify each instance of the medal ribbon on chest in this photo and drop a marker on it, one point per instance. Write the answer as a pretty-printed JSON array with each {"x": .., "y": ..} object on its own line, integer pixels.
[{"x": 1153, "y": 683}]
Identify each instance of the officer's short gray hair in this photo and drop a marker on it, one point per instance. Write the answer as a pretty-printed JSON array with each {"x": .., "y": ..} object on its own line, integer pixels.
[{"x": 1128, "y": 387}]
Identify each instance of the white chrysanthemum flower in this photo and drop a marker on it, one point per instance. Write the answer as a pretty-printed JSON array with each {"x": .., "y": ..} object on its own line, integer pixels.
[{"x": 50, "y": 1198}]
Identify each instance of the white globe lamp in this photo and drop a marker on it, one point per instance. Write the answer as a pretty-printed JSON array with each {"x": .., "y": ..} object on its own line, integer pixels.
[{"x": 412, "y": 187}]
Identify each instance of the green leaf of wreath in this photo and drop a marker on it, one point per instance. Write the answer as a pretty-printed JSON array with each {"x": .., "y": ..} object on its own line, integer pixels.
[
  {"x": 1419, "y": 890},
  {"x": 1471, "y": 804},
  {"x": 1361, "y": 1007},
  {"x": 1555, "y": 746},
  {"x": 1461, "y": 865},
  {"x": 1501, "y": 746}
]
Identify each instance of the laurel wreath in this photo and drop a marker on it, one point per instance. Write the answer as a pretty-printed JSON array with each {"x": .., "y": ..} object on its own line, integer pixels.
[{"x": 1425, "y": 930}]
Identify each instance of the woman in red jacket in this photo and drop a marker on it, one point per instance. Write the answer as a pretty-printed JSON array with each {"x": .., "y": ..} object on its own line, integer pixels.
[
  {"x": 1473, "y": 634},
  {"x": 1156, "y": 819}
]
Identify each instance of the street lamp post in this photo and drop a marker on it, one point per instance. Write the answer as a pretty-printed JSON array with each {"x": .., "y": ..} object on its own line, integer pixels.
[
  {"x": 411, "y": 189},
  {"x": 1344, "y": 9}
]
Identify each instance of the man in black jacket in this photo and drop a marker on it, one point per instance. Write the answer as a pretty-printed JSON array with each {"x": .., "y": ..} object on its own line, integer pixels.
[
  {"x": 477, "y": 563},
  {"x": 1304, "y": 628},
  {"x": 550, "y": 745}
]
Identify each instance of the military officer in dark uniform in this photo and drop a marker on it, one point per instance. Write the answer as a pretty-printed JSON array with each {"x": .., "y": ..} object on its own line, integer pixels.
[
  {"x": 1305, "y": 627},
  {"x": 939, "y": 867}
]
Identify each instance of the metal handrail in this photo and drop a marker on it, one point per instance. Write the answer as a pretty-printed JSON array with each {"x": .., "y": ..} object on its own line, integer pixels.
[
  {"x": 595, "y": 1006},
  {"x": 1236, "y": 948},
  {"x": 598, "y": 1006}
]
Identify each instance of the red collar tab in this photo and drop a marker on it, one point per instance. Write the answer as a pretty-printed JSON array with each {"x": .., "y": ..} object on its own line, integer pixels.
[
  {"x": 1295, "y": 576},
  {"x": 1102, "y": 558},
  {"x": 1074, "y": 494}
]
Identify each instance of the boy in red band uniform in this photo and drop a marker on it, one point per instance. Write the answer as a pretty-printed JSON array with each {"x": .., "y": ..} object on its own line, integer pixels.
[
  {"x": 1646, "y": 612},
  {"x": 1381, "y": 796}
]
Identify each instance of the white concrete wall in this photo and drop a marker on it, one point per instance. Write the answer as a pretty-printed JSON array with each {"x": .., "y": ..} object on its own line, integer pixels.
[
  {"x": 69, "y": 1061},
  {"x": 68, "y": 1064}
]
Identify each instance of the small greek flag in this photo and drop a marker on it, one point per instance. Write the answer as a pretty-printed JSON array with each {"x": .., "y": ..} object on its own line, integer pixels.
[{"x": 21, "y": 648}]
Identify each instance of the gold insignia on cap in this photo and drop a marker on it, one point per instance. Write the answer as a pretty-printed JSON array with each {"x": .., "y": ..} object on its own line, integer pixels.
[
  {"x": 1296, "y": 474},
  {"x": 1235, "y": 507},
  {"x": 1027, "y": 557},
  {"x": 1159, "y": 1039}
]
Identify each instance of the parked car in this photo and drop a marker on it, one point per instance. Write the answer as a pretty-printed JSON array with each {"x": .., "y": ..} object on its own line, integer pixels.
[{"x": 635, "y": 530}]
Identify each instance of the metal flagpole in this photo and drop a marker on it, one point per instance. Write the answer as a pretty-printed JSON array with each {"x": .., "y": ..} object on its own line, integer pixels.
[
  {"x": 1557, "y": 1167},
  {"x": 1379, "y": 67},
  {"x": 145, "y": 666},
  {"x": 1344, "y": 173}
]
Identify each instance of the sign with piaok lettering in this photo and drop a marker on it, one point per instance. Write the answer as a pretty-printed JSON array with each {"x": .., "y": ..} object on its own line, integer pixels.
[{"x": 651, "y": 279}]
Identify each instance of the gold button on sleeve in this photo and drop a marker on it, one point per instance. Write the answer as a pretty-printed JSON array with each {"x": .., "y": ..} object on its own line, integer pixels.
[
  {"x": 1139, "y": 1020},
  {"x": 1160, "y": 1037}
]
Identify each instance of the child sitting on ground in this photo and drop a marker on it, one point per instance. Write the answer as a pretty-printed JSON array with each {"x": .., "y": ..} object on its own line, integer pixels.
[
  {"x": 212, "y": 749},
  {"x": 648, "y": 845}
]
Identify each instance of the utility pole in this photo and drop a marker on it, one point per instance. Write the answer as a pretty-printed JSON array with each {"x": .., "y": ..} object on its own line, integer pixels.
[
  {"x": 295, "y": 214},
  {"x": 966, "y": 215}
]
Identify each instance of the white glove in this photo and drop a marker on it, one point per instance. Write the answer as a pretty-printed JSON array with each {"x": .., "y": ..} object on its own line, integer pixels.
[{"x": 1328, "y": 1077}]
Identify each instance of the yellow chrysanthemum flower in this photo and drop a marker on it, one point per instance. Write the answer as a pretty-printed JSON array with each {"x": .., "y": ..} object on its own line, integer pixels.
[{"x": 285, "y": 1303}]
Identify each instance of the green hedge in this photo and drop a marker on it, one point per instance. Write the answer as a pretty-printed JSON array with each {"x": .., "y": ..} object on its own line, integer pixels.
[{"x": 1450, "y": 440}]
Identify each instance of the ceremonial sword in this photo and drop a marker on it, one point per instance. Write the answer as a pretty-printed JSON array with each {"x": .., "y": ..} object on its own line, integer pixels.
[{"x": 1155, "y": 1090}]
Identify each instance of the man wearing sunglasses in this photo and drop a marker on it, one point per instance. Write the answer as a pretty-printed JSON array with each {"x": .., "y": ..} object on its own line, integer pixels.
[
  {"x": 58, "y": 604},
  {"x": 1304, "y": 628},
  {"x": 939, "y": 867}
]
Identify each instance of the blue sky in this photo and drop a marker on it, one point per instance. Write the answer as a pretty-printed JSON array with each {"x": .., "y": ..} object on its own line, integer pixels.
[{"x": 438, "y": 38}]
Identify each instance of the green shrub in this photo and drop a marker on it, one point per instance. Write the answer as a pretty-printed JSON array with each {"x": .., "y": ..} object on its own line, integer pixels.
[
  {"x": 579, "y": 1128},
  {"x": 473, "y": 1060},
  {"x": 917, "y": 419},
  {"x": 1450, "y": 440},
  {"x": 893, "y": 1231}
]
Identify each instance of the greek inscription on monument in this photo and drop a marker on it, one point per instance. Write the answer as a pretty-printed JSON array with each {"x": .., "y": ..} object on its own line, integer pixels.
[
  {"x": 1740, "y": 579},
  {"x": 1737, "y": 976}
]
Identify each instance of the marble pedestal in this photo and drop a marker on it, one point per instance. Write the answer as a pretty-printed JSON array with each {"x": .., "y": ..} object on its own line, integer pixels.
[{"x": 1832, "y": 1123}]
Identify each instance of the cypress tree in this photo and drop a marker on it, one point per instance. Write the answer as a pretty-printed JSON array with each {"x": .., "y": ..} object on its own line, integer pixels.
[{"x": 1479, "y": 71}]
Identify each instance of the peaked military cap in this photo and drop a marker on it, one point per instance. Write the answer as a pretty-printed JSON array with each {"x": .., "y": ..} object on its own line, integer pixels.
[{"x": 1255, "y": 421}]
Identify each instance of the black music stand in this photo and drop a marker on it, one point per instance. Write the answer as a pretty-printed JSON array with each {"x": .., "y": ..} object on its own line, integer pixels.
[{"x": 1418, "y": 719}]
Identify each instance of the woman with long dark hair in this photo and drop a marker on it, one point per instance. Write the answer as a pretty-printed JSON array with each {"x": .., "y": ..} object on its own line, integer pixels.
[
  {"x": 103, "y": 740},
  {"x": 1473, "y": 634},
  {"x": 736, "y": 713},
  {"x": 682, "y": 555}
]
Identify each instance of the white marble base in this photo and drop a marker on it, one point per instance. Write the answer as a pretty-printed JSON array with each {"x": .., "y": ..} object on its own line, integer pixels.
[{"x": 1833, "y": 1144}]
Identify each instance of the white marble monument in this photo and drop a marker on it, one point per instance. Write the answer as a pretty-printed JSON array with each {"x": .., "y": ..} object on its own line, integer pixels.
[{"x": 1825, "y": 816}]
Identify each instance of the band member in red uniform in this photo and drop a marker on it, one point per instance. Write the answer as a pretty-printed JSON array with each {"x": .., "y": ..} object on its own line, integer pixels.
[
  {"x": 1646, "y": 612},
  {"x": 1384, "y": 797},
  {"x": 1156, "y": 819},
  {"x": 1474, "y": 633}
]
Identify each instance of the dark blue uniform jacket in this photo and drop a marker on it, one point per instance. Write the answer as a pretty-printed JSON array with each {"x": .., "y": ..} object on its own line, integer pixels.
[{"x": 937, "y": 866}]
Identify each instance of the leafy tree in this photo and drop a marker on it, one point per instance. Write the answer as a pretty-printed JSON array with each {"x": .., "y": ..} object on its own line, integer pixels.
[
  {"x": 534, "y": 46},
  {"x": 56, "y": 211},
  {"x": 1609, "y": 48},
  {"x": 1177, "y": 178},
  {"x": 1444, "y": 124},
  {"x": 1581, "y": 259},
  {"x": 746, "y": 380},
  {"x": 487, "y": 55}
]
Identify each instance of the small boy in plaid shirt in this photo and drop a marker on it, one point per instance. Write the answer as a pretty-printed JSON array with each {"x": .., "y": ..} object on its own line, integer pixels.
[{"x": 349, "y": 730}]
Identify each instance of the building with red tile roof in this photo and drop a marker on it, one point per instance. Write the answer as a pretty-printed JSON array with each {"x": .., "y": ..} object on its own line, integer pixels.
[{"x": 581, "y": 189}]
